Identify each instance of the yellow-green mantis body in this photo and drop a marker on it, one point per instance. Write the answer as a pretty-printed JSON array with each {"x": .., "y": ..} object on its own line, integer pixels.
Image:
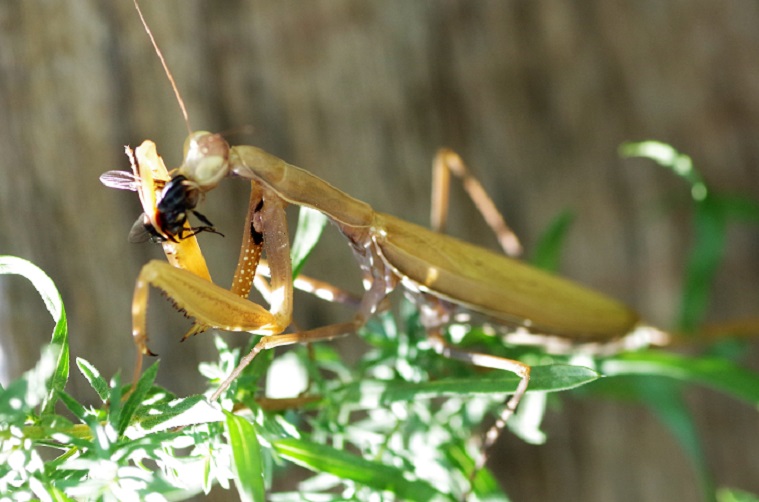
[{"x": 440, "y": 273}]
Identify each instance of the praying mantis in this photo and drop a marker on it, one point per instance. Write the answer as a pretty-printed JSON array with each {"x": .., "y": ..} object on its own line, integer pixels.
[
  {"x": 438, "y": 271},
  {"x": 442, "y": 275}
]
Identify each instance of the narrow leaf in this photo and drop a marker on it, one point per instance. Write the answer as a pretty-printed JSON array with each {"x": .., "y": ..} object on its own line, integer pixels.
[
  {"x": 666, "y": 156},
  {"x": 22, "y": 395},
  {"x": 717, "y": 373},
  {"x": 52, "y": 298},
  {"x": 548, "y": 378},
  {"x": 484, "y": 485},
  {"x": 310, "y": 226},
  {"x": 733, "y": 495},
  {"x": 666, "y": 401},
  {"x": 73, "y": 405},
  {"x": 548, "y": 249},
  {"x": 248, "y": 462},
  {"x": 92, "y": 375},
  {"x": 321, "y": 458},
  {"x": 136, "y": 397},
  {"x": 740, "y": 208},
  {"x": 703, "y": 260},
  {"x": 190, "y": 410}
]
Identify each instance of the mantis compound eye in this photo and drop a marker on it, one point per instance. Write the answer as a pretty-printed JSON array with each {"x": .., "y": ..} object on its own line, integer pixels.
[{"x": 205, "y": 160}]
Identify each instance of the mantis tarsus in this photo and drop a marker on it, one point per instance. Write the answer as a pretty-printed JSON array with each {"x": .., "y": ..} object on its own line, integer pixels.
[{"x": 440, "y": 273}]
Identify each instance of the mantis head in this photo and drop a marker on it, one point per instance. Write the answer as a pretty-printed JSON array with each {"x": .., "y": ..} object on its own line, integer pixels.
[{"x": 206, "y": 160}]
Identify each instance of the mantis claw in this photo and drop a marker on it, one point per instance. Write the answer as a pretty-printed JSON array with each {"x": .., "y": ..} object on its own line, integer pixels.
[{"x": 196, "y": 329}]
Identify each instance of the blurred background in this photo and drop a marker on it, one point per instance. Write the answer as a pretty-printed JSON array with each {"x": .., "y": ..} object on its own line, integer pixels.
[{"x": 535, "y": 96}]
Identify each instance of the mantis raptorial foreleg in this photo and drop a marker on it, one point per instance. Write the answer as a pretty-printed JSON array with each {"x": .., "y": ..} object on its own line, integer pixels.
[
  {"x": 213, "y": 306},
  {"x": 373, "y": 299},
  {"x": 149, "y": 178},
  {"x": 247, "y": 263}
]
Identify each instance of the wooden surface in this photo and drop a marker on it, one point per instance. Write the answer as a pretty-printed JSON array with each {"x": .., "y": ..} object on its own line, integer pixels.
[{"x": 536, "y": 97}]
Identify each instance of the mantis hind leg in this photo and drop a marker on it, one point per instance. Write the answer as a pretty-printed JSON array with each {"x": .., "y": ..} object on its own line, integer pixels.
[
  {"x": 442, "y": 347},
  {"x": 447, "y": 162},
  {"x": 435, "y": 316}
]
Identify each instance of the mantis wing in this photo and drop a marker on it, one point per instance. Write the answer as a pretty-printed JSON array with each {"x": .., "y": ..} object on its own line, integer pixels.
[{"x": 498, "y": 286}]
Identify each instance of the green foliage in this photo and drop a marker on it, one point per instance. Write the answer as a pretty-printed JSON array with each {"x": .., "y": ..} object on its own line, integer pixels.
[
  {"x": 711, "y": 216},
  {"x": 548, "y": 249},
  {"x": 310, "y": 225},
  {"x": 401, "y": 423}
]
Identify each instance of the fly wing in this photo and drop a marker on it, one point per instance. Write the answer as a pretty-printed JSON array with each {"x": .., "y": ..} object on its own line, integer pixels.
[
  {"x": 121, "y": 180},
  {"x": 142, "y": 231},
  {"x": 149, "y": 176}
]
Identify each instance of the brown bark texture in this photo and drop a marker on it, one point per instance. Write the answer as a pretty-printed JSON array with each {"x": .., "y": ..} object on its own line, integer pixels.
[{"x": 535, "y": 96}]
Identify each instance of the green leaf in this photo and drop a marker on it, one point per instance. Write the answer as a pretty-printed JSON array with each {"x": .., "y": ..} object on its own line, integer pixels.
[
  {"x": 740, "y": 208},
  {"x": 93, "y": 377},
  {"x": 57, "y": 495},
  {"x": 666, "y": 156},
  {"x": 668, "y": 405},
  {"x": 703, "y": 260},
  {"x": 548, "y": 249},
  {"x": 664, "y": 398},
  {"x": 484, "y": 485},
  {"x": 710, "y": 227},
  {"x": 733, "y": 495},
  {"x": 321, "y": 458},
  {"x": 22, "y": 395},
  {"x": 136, "y": 397},
  {"x": 713, "y": 213},
  {"x": 73, "y": 405},
  {"x": 52, "y": 298},
  {"x": 310, "y": 226},
  {"x": 248, "y": 463},
  {"x": 717, "y": 373},
  {"x": 191, "y": 410},
  {"x": 548, "y": 378},
  {"x": 526, "y": 422}
]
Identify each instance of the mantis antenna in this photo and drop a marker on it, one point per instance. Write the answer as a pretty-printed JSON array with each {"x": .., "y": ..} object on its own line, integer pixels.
[{"x": 165, "y": 67}]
